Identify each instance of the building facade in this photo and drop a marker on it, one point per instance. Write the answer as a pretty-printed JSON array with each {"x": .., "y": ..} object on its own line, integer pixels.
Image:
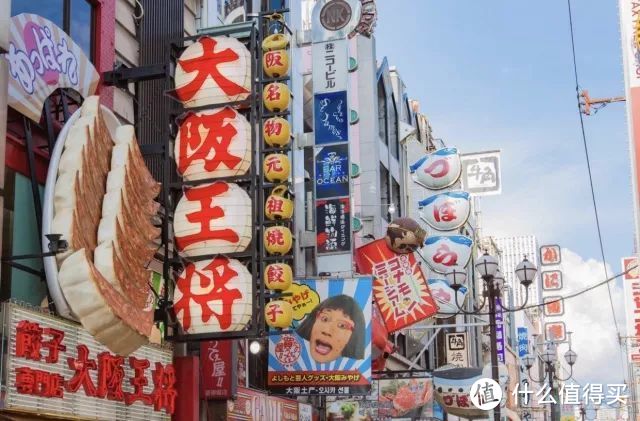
[{"x": 514, "y": 249}]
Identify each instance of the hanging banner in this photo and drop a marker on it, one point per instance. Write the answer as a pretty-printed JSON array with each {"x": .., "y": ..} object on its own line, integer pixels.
[
  {"x": 217, "y": 373},
  {"x": 43, "y": 58},
  {"x": 331, "y": 117},
  {"x": 332, "y": 171},
  {"x": 500, "y": 332},
  {"x": 481, "y": 173},
  {"x": 446, "y": 211},
  {"x": 399, "y": 286},
  {"x": 443, "y": 252},
  {"x": 523, "y": 342},
  {"x": 437, "y": 170},
  {"x": 631, "y": 288},
  {"x": 445, "y": 297},
  {"x": 329, "y": 352},
  {"x": 333, "y": 226}
]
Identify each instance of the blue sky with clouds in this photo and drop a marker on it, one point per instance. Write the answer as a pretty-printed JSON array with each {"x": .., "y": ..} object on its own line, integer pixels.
[{"x": 499, "y": 75}]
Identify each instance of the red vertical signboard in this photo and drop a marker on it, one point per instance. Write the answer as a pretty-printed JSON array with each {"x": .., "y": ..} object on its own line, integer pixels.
[{"x": 218, "y": 361}]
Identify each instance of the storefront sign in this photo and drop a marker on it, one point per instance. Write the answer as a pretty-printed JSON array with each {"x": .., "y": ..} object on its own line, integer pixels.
[
  {"x": 332, "y": 171},
  {"x": 457, "y": 351},
  {"x": 446, "y": 211},
  {"x": 443, "y": 252},
  {"x": 248, "y": 405},
  {"x": 404, "y": 395},
  {"x": 335, "y": 15},
  {"x": 552, "y": 280},
  {"x": 329, "y": 352},
  {"x": 553, "y": 306},
  {"x": 445, "y": 297},
  {"x": 330, "y": 66},
  {"x": 333, "y": 226},
  {"x": 452, "y": 390},
  {"x": 555, "y": 331},
  {"x": 550, "y": 255},
  {"x": 217, "y": 369},
  {"x": 331, "y": 118},
  {"x": 481, "y": 173},
  {"x": 500, "y": 332},
  {"x": 43, "y": 58},
  {"x": 631, "y": 288},
  {"x": 437, "y": 170},
  {"x": 523, "y": 342},
  {"x": 399, "y": 287},
  {"x": 57, "y": 368}
]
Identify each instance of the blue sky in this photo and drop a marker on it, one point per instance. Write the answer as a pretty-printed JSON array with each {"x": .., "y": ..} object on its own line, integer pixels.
[{"x": 499, "y": 75}]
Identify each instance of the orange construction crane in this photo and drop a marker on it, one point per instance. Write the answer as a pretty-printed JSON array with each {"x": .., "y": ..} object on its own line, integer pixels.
[{"x": 587, "y": 102}]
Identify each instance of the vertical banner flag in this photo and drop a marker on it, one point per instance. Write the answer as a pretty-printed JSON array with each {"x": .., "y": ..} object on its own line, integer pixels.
[
  {"x": 631, "y": 287},
  {"x": 218, "y": 369},
  {"x": 457, "y": 352},
  {"x": 523, "y": 342},
  {"x": 329, "y": 351},
  {"x": 500, "y": 332},
  {"x": 333, "y": 225},
  {"x": 332, "y": 171}
]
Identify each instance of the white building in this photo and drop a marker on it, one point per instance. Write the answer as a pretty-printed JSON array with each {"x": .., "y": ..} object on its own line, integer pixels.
[{"x": 514, "y": 249}]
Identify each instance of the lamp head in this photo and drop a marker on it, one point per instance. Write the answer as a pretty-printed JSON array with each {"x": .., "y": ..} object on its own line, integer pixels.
[
  {"x": 526, "y": 272},
  {"x": 487, "y": 266}
]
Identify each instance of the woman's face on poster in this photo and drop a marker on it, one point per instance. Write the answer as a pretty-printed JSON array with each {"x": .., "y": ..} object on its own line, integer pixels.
[{"x": 330, "y": 334}]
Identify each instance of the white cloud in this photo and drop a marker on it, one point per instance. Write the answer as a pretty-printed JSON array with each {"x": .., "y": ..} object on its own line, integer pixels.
[{"x": 590, "y": 317}]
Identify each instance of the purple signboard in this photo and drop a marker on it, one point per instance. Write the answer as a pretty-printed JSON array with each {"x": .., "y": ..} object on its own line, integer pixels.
[{"x": 500, "y": 331}]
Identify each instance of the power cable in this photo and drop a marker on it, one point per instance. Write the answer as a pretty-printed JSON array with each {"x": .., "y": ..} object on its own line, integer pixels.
[{"x": 586, "y": 152}]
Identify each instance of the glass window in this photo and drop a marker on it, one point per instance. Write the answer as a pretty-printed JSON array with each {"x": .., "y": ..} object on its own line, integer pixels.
[
  {"x": 394, "y": 145},
  {"x": 397, "y": 197},
  {"x": 385, "y": 194},
  {"x": 383, "y": 127},
  {"x": 75, "y": 17}
]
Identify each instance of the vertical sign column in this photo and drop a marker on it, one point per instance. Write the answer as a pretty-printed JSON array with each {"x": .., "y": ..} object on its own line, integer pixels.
[{"x": 550, "y": 258}]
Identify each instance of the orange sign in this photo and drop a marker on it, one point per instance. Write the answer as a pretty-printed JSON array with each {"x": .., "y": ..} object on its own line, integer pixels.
[
  {"x": 555, "y": 331},
  {"x": 553, "y": 306},
  {"x": 550, "y": 255},
  {"x": 552, "y": 280}
]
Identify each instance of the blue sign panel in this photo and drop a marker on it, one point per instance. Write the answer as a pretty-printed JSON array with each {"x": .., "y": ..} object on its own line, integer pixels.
[
  {"x": 332, "y": 171},
  {"x": 523, "y": 342},
  {"x": 331, "y": 117},
  {"x": 500, "y": 332}
]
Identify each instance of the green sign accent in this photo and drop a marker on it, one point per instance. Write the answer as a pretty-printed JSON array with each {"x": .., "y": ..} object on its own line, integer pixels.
[
  {"x": 354, "y": 117},
  {"x": 356, "y": 224},
  {"x": 355, "y": 170},
  {"x": 353, "y": 64}
]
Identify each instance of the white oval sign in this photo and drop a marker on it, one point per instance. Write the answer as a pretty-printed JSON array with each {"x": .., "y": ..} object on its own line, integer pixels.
[
  {"x": 443, "y": 252},
  {"x": 445, "y": 298},
  {"x": 446, "y": 211},
  {"x": 437, "y": 170}
]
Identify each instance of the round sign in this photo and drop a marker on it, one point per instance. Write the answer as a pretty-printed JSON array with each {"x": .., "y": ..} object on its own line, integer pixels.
[
  {"x": 486, "y": 394},
  {"x": 335, "y": 15}
]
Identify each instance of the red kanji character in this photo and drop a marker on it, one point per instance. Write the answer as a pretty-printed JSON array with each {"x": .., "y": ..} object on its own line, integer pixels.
[
  {"x": 445, "y": 256},
  {"x": 139, "y": 381},
  {"x": 81, "y": 377},
  {"x": 551, "y": 280},
  {"x": 445, "y": 212},
  {"x": 274, "y": 204},
  {"x": 550, "y": 255},
  {"x": 215, "y": 290},
  {"x": 164, "y": 394},
  {"x": 438, "y": 168},
  {"x": 28, "y": 340},
  {"x": 207, "y": 213},
  {"x": 448, "y": 400},
  {"x": 54, "y": 345},
  {"x": 273, "y": 58},
  {"x": 274, "y": 164},
  {"x": 220, "y": 132},
  {"x": 554, "y": 307},
  {"x": 54, "y": 386},
  {"x": 556, "y": 332},
  {"x": 207, "y": 66},
  {"x": 275, "y": 273},
  {"x": 462, "y": 401},
  {"x": 25, "y": 380},
  {"x": 305, "y": 294},
  {"x": 275, "y": 237},
  {"x": 272, "y": 127},
  {"x": 273, "y": 92},
  {"x": 110, "y": 376},
  {"x": 273, "y": 312}
]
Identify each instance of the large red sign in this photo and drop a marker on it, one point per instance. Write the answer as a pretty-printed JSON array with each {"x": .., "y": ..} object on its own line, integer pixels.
[
  {"x": 45, "y": 344},
  {"x": 253, "y": 405},
  {"x": 217, "y": 374},
  {"x": 399, "y": 286}
]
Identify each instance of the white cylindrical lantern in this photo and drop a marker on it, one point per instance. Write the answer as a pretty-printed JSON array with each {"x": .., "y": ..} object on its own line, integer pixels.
[
  {"x": 214, "y": 296},
  {"x": 213, "y": 70},
  {"x": 213, "y": 144},
  {"x": 213, "y": 219}
]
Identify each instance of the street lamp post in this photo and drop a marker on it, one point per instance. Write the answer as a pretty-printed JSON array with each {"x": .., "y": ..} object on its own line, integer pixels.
[
  {"x": 549, "y": 356},
  {"x": 487, "y": 267}
]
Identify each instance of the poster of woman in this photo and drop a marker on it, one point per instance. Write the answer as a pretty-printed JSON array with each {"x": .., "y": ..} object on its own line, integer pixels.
[{"x": 328, "y": 351}]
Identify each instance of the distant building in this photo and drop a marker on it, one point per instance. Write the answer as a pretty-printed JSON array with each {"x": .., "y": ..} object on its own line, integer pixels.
[{"x": 513, "y": 251}]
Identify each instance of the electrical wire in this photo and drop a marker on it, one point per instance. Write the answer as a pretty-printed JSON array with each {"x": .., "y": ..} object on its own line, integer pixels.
[{"x": 593, "y": 195}]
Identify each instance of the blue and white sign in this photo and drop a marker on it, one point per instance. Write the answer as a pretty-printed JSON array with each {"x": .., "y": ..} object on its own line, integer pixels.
[
  {"x": 446, "y": 211},
  {"x": 523, "y": 342},
  {"x": 500, "y": 332},
  {"x": 437, "y": 170},
  {"x": 332, "y": 171},
  {"x": 331, "y": 117},
  {"x": 446, "y": 298},
  {"x": 443, "y": 252}
]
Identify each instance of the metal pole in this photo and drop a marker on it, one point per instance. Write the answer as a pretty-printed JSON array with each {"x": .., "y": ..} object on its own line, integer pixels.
[
  {"x": 555, "y": 408},
  {"x": 494, "y": 343}
]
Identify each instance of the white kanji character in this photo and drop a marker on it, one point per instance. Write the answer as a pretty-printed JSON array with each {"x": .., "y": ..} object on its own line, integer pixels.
[
  {"x": 526, "y": 392},
  {"x": 617, "y": 390},
  {"x": 593, "y": 392},
  {"x": 545, "y": 391},
  {"x": 570, "y": 394}
]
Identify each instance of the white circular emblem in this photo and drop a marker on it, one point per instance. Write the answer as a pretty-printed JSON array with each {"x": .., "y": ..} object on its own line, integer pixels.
[{"x": 485, "y": 394}]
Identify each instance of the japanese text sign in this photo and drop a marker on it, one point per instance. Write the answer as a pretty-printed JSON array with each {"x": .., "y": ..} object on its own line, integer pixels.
[
  {"x": 331, "y": 118},
  {"x": 330, "y": 66},
  {"x": 56, "y": 367},
  {"x": 553, "y": 306},
  {"x": 43, "y": 58},
  {"x": 217, "y": 369},
  {"x": 333, "y": 226},
  {"x": 252, "y": 405},
  {"x": 332, "y": 171},
  {"x": 446, "y": 211},
  {"x": 555, "y": 331},
  {"x": 399, "y": 286},
  {"x": 442, "y": 252},
  {"x": 550, "y": 255},
  {"x": 523, "y": 342},
  {"x": 329, "y": 352},
  {"x": 437, "y": 170},
  {"x": 551, "y": 280},
  {"x": 481, "y": 173},
  {"x": 500, "y": 332},
  {"x": 445, "y": 297},
  {"x": 457, "y": 351},
  {"x": 631, "y": 288}
]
